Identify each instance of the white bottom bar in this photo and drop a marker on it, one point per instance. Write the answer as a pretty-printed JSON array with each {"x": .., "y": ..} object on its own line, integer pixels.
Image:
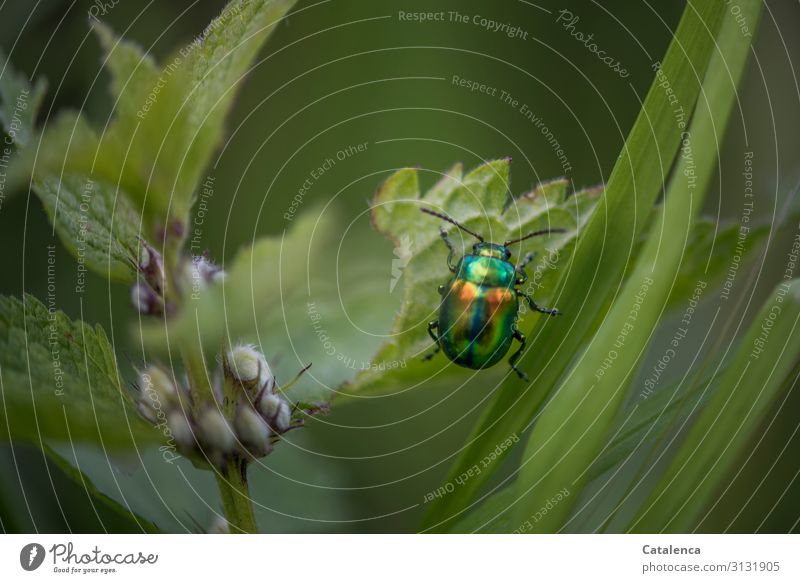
[{"x": 401, "y": 558}]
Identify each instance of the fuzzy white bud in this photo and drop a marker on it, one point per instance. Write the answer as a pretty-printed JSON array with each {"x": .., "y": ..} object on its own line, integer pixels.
[
  {"x": 252, "y": 430},
  {"x": 206, "y": 269},
  {"x": 276, "y": 411},
  {"x": 249, "y": 366},
  {"x": 216, "y": 431},
  {"x": 190, "y": 277},
  {"x": 142, "y": 297},
  {"x": 181, "y": 429},
  {"x": 158, "y": 392},
  {"x": 196, "y": 273},
  {"x": 147, "y": 411}
]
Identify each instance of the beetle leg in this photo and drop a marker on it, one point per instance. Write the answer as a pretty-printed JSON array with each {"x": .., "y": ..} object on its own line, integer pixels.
[
  {"x": 446, "y": 239},
  {"x": 534, "y": 306},
  {"x": 526, "y": 260},
  {"x": 522, "y": 277},
  {"x": 520, "y": 337},
  {"x": 431, "y": 327}
]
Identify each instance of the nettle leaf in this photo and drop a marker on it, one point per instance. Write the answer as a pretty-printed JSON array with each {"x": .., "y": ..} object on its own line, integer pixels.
[
  {"x": 257, "y": 284},
  {"x": 68, "y": 145},
  {"x": 19, "y": 102},
  {"x": 143, "y": 146},
  {"x": 149, "y": 160},
  {"x": 216, "y": 65},
  {"x": 315, "y": 324},
  {"x": 480, "y": 200},
  {"x": 168, "y": 116},
  {"x": 94, "y": 219},
  {"x": 98, "y": 227},
  {"x": 59, "y": 380},
  {"x": 134, "y": 74}
]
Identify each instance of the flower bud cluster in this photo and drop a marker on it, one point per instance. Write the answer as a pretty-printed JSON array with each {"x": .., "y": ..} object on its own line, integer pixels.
[
  {"x": 257, "y": 415},
  {"x": 260, "y": 412},
  {"x": 163, "y": 402},
  {"x": 193, "y": 275},
  {"x": 201, "y": 432}
]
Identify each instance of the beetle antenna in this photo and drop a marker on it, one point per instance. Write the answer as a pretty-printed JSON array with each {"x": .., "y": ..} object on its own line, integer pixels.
[
  {"x": 534, "y": 234},
  {"x": 454, "y": 222}
]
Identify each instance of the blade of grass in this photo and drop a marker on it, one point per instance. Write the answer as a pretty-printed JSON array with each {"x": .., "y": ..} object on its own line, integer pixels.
[
  {"x": 601, "y": 255},
  {"x": 638, "y": 429},
  {"x": 652, "y": 419},
  {"x": 766, "y": 358},
  {"x": 492, "y": 516},
  {"x": 94, "y": 494},
  {"x": 575, "y": 425}
]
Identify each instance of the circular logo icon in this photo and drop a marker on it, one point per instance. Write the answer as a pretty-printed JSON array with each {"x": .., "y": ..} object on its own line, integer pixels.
[{"x": 31, "y": 556}]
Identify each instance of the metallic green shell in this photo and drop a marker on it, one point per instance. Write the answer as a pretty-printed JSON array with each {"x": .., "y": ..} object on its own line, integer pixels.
[{"x": 478, "y": 312}]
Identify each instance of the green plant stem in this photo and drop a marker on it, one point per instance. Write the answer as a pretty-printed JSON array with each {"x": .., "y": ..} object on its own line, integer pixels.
[
  {"x": 173, "y": 249},
  {"x": 236, "y": 503},
  {"x": 202, "y": 391},
  {"x": 232, "y": 478}
]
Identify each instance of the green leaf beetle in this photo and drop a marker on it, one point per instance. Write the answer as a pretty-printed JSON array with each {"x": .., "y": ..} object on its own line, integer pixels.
[{"x": 480, "y": 304}]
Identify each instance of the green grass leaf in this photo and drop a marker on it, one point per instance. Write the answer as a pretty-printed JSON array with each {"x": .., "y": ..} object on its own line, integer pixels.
[
  {"x": 649, "y": 418},
  {"x": 59, "y": 380},
  {"x": 712, "y": 247},
  {"x": 19, "y": 102},
  {"x": 574, "y": 427},
  {"x": 762, "y": 369},
  {"x": 480, "y": 200},
  {"x": 602, "y": 252},
  {"x": 492, "y": 516},
  {"x": 82, "y": 480},
  {"x": 645, "y": 423}
]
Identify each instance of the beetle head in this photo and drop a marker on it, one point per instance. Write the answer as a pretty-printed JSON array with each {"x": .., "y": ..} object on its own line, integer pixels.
[{"x": 492, "y": 250}]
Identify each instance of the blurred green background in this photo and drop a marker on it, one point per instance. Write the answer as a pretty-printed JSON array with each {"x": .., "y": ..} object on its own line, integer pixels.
[{"x": 342, "y": 73}]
